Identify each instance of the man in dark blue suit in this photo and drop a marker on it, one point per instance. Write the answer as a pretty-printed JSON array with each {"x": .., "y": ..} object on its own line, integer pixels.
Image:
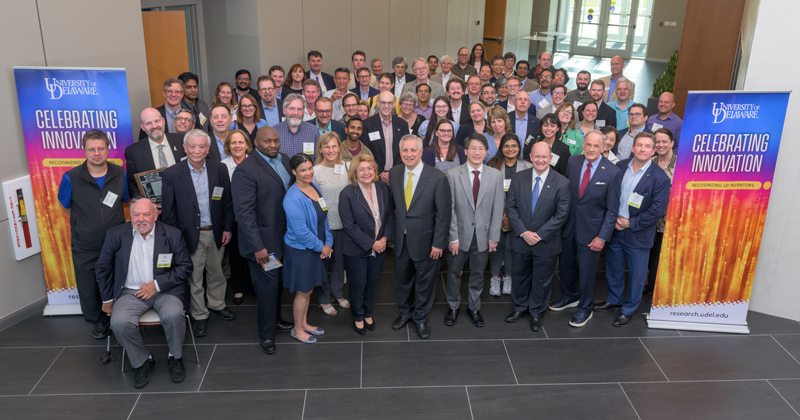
[
  {"x": 144, "y": 265},
  {"x": 644, "y": 195},
  {"x": 315, "y": 72},
  {"x": 258, "y": 186},
  {"x": 523, "y": 123},
  {"x": 196, "y": 198},
  {"x": 537, "y": 206},
  {"x": 595, "y": 200},
  {"x": 363, "y": 89}
]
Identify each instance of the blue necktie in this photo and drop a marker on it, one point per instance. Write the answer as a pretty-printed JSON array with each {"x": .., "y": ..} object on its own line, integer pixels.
[{"x": 535, "y": 194}]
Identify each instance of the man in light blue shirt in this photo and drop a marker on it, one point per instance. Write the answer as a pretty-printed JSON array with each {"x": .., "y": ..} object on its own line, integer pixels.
[
  {"x": 270, "y": 111},
  {"x": 539, "y": 96},
  {"x": 623, "y": 102}
]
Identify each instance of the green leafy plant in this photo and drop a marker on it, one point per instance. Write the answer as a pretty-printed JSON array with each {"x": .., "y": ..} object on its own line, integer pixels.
[{"x": 666, "y": 81}]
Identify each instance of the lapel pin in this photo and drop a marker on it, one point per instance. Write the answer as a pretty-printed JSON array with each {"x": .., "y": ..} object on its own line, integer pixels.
[{"x": 602, "y": 167}]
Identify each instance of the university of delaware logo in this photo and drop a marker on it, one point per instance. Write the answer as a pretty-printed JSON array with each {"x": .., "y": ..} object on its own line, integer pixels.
[
  {"x": 722, "y": 111},
  {"x": 61, "y": 87}
]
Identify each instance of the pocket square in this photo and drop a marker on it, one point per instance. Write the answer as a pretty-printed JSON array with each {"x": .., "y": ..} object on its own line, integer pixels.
[{"x": 599, "y": 183}]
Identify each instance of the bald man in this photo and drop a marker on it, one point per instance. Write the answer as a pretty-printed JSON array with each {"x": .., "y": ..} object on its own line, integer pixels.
[
  {"x": 159, "y": 150},
  {"x": 537, "y": 206},
  {"x": 617, "y": 65},
  {"x": 666, "y": 118}
]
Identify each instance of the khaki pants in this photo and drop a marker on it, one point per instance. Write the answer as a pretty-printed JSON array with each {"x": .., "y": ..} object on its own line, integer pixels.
[{"x": 207, "y": 257}]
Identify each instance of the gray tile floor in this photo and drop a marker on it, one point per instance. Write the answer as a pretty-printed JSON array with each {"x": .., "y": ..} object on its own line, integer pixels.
[{"x": 51, "y": 369}]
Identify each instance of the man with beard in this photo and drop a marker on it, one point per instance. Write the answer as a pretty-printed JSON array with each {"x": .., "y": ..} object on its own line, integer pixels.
[
  {"x": 528, "y": 85},
  {"x": 159, "y": 151},
  {"x": 541, "y": 98},
  {"x": 297, "y": 136},
  {"x": 243, "y": 85},
  {"x": 580, "y": 95},
  {"x": 605, "y": 114},
  {"x": 463, "y": 68},
  {"x": 191, "y": 99}
]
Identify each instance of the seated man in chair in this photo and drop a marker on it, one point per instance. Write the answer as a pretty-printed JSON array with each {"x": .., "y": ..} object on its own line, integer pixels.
[{"x": 144, "y": 265}]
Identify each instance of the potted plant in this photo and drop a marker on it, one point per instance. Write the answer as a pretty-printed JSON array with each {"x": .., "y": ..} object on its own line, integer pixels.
[{"x": 663, "y": 83}]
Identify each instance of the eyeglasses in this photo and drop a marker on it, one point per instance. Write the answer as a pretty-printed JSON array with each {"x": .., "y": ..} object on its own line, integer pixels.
[
  {"x": 635, "y": 114},
  {"x": 184, "y": 119},
  {"x": 444, "y": 131},
  {"x": 242, "y": 79},
  {"x": 545, "y": 77},
  {"x": 272, "y": 89},
  {"x": 174, "y": 92},
  {"x": 323, "y": 111},
  {"x": 247, "y": 106},
  {"x": 559, "y": 93},
  {"x": 423, "y": 91},
  {"x": 440, "y": 107}
]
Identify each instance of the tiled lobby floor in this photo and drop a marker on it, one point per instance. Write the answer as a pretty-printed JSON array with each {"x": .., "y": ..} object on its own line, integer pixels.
[{"x": 51, "y": 369}]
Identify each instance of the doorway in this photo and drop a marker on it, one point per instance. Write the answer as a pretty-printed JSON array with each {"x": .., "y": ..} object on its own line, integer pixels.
[{"x": 605, "y": 28}]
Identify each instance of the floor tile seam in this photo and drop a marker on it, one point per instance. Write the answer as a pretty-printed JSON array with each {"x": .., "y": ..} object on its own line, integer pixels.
[
  {"x": 784, "y": 349},
  {"x": 361, "y": 377},
  {"x": 205, "y": 371},
  {"x": 510, "y": 364},
  {"x": 469, "y": 403},
  {"x": 305, "y": 398},
  {"x": 400, "y": 387},
  {"x": 48, "y": 370},
  {"x": 783, "y": 398},
  {"x": 654, "y": 360},
  {"x": 134, "y": 406},
  {"x": 635, "y": 411}
]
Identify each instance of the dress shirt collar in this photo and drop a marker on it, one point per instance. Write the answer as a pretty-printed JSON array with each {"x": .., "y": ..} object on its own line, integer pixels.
[
  {"x": 154, "y": 145},
  {"x": 543, "y": 177},
  {"x": 417, "y": 172},
  {"x": 149, "y": 235}
]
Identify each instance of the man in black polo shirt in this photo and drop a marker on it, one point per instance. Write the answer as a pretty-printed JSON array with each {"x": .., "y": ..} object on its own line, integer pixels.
[{"x": 92, "y": 194}]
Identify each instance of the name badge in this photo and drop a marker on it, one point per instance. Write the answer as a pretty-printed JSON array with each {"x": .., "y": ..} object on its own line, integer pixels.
[
  {"x": 576, "y": 104},
  {"x": 600, "y": 123},
  {"x": 202, "y": 118},
  {"x": 656, "y": 127},
  {"x": 322, "y": 204},
  {"x": 338, "y": 169},
  {"x": 374, "y": 136},
  {"x": 543, "y": 103},
  {"x": 217, "y": 194},
  {"x": 571, "y": 141},
  {"x": 506, "y": 184},
  {"x": 554, "y": 159},
  {"x": 528, "y": 140},
  {"x": 110, "y": 199},
  {"x": 308, "y": 148},
  {"x": 164, "y": 261},
  {"x": 635, "y": 200}
]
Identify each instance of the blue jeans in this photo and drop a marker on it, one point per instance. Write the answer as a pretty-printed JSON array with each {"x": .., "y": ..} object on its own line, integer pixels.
[{"x": 616, "y": 258}]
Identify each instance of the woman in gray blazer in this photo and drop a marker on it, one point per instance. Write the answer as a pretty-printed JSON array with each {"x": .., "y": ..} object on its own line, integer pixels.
[{"x": 508, "y": 161}]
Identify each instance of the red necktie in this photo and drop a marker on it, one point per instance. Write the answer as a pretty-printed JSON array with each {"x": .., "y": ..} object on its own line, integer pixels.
[
  {"x": 476, "y": 185},
  {"x": 585, "y": 180}
]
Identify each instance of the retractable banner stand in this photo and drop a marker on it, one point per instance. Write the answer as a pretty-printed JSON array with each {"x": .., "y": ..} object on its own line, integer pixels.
[
  {"x": 717, "y": 208},
  {"x": 57, "y": 106}
]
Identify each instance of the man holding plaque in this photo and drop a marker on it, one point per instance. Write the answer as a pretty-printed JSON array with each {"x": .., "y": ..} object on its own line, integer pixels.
[
  {"x": 160, "y": 151},
  {"x": 197, "y": 200},
  {"x": 92, "y": 193}
]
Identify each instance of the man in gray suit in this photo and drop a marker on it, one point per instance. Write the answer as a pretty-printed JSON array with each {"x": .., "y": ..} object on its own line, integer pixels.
[
  {"x": 421, "y": 70},
  {"x": 537, "y": 207},
  {"x": 422, "y": 220},
  {"x": 478, "y": 201}
]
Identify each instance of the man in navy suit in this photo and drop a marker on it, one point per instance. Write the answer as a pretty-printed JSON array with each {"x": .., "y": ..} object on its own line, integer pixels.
[
  {"x": 523, "y": 123},
  {"x": 315, "y": 72},
  {"x": 258, "y": 186},
  {"x": 644, "y": 195},
  {"x": 595, "y": 200},
  {"x": 537, "y": 207},
  {"x": 196, "y": 198},
  {"x": 363, "y": 89},
  {"x": 144, "y": 265},
  {"x": 382, "y": 134}
]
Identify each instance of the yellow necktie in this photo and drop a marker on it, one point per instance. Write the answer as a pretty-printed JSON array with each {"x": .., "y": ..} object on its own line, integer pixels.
[{"x": 409, "y": 190}]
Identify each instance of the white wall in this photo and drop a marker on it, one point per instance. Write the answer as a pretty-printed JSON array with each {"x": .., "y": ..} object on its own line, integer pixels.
[
  {"x": 776, "y": 289},
  {"x": 519, "y": 15},
  {"x": 88, "y": 33},
  {"x": 231, "y": 41}
]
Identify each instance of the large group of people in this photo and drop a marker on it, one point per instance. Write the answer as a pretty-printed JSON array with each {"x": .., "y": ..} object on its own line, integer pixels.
[{"x": 308, "y": 179}]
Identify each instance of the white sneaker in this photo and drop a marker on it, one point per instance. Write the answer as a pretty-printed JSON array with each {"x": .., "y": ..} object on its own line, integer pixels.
[
  {"x": 494, "y": 288},
  {"x": 506, "y": 285}
]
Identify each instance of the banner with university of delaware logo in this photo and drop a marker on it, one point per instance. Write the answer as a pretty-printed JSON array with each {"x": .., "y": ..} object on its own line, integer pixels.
[
  {"x": 717, "y": 208},
  {"x": 57, "y": 106}
]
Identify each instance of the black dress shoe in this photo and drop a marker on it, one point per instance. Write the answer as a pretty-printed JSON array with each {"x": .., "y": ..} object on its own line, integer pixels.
[
  {"x": 143, "y": 373},
  {"x": 514, "y": 316},
  {"x": 200, "y": 327},
  {"x": 621, "y": 320},
  {"x": 238, "y": 300},
  {"x": 451, "y": 317},
  {"x": 100, "y": 330},
  {"x": 268, "y": 346},
  {"x": 475, "y": 317},
  {"x": 284, "y": 326},
  {"x": 176, "y": 370},
  {"x": 605, "y": 306},
  {"x": 225, "y": 313},
  {"x": 536, "y": 324},
  {"x": 369, "y": 326},
  {"x": 423, "y": 330},
  {"x": 400, "y": 322},
  {"x": 362, "y": 330}
]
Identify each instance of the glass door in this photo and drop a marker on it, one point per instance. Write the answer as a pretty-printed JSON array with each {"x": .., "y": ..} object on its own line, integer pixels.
[{"x": 604, "y": 28}]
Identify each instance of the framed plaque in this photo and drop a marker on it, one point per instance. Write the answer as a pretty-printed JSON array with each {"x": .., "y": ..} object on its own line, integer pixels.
[{"x": 150, "y": 184}]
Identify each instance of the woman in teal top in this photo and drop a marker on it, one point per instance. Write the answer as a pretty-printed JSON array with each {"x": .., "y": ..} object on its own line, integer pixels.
[{"x": 569, "y": 135}]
